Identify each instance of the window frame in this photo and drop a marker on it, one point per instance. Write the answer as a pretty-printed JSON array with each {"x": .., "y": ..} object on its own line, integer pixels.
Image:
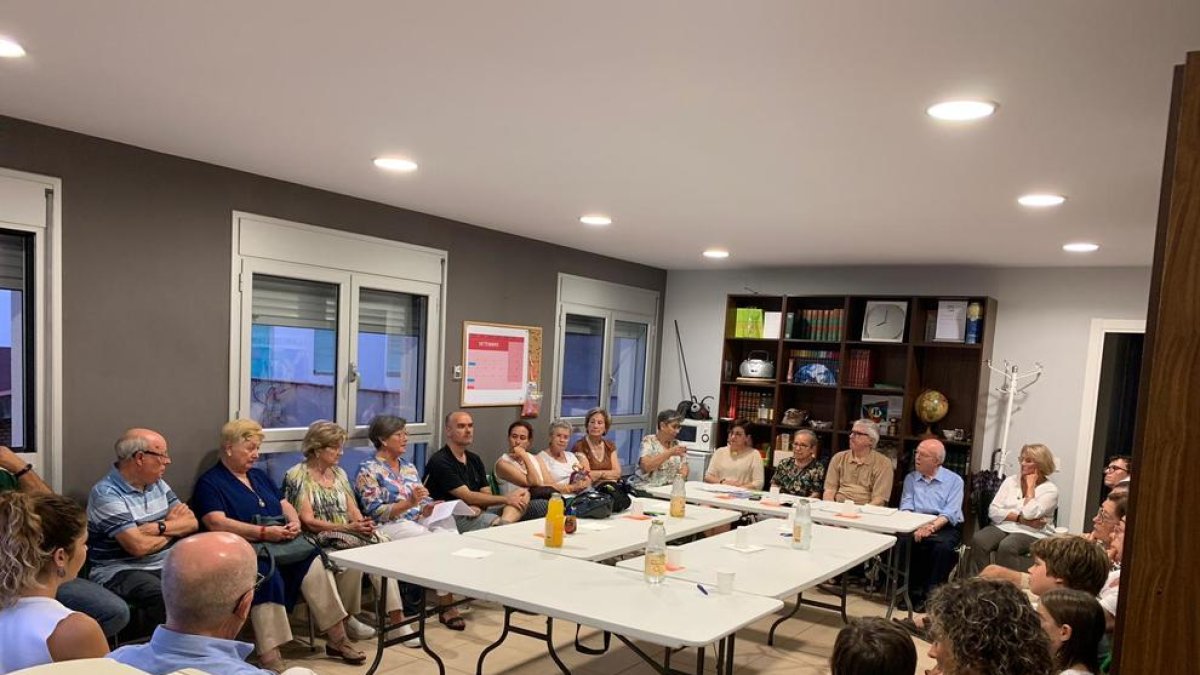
[
  {"x": 32, "y": 204},
  {"x": 353, "y": 262}
]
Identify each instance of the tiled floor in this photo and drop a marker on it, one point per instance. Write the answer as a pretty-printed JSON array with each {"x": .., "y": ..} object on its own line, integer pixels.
[{"x": 802, "y": 647}]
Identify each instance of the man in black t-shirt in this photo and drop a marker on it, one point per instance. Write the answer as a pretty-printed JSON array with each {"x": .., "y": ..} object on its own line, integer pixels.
[{"x": 454, "y": 472}]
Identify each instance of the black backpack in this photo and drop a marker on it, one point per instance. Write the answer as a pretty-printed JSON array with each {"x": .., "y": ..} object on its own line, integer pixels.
[
  {"x": 617, "y": 492},
  {"x": 592, "y": 504}
]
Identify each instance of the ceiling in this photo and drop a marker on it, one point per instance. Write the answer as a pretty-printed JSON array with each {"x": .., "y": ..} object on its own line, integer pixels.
[{"x": 791, "y": 132}]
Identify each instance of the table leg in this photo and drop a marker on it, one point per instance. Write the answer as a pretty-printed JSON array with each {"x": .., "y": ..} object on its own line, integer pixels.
[
  {"x": 381, "y": 629},
  {"x": 785, "y": 617},
  {"x": 729, "y": 655},
  {"x": 700, "y": 661},
  {"x": 898, "y": 577},
  {"x": 425, "y": 644},
  {"x": 591, "y": 651},
  {"x": 508, "y": 612},
  {"x": 547, "y": 637}
]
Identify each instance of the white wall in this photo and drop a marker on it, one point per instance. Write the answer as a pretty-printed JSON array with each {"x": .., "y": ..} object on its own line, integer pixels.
[{"x": 1044, "y": 315}]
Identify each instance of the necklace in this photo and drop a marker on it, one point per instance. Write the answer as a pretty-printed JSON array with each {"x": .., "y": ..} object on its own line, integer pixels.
[
  {"x": 245, "y": 481},
  {"x": 596, "y": 455}
]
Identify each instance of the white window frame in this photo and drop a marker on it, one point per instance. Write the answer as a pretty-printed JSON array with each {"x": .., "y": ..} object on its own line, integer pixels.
[
  {"x": 33, "y": 203},
  {"x": 270, "y": 246},
  {"x": 612, "y": 302}
]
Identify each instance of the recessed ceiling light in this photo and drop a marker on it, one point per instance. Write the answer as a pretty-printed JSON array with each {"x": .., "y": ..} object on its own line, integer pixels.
[
  {"x": 960, "y": 111},
  {"x": 1081, "y": 247},
  {"x": 10, "y": 49},
  {"x": 716, "y": 253},
  {"x": 1040, "y": 200},
  {"x": 595, "y": 219},
  {"x": 396, "y": 164}
]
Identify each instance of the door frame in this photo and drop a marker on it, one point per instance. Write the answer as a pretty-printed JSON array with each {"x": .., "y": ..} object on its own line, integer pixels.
[{"x": 1087, "y": 413}]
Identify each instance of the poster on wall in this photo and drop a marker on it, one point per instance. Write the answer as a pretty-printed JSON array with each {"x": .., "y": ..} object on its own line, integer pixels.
[{"x": 499, "y": 362}]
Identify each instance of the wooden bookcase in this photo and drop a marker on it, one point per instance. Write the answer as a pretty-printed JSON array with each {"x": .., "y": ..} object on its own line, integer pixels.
[{"x": 828, "y": 331}]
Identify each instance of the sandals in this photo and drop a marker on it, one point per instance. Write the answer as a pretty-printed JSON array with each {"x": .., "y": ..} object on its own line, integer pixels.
[
  {"x": 912, "y": 628},
  {"x": 346, "y": 653},
  {"x": 452, "y": 622}
]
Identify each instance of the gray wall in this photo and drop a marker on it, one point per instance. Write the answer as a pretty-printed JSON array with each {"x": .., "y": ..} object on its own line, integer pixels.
[
  {"x": 146, "y": 256},
  {"x": 1044, "y": 315}
]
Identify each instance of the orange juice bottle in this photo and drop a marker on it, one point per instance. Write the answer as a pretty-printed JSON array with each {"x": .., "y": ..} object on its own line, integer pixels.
[{"x": 555, "y": 522}]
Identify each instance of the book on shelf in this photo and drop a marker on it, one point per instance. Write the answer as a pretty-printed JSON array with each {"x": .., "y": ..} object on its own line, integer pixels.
[
  {"x": 813, "y": 366},
  {"x": 860, "y": 368},
  {"x": 823, "y": 325}
]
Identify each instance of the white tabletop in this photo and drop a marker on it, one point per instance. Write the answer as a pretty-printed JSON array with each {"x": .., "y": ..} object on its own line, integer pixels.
[
  {"x": 883, "y": 520},
  {"x": 672, "y": 614},
  {"x": 778, "y": 570},
  {"x": 613, "y": 536}
]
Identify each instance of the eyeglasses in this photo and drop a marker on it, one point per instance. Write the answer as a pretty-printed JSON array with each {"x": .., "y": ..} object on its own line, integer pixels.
[
  {"x": 859, "y": 433},
  {"x": 1114, "y": 467},
  {"x": 161, "y": 455},
  {"x": 258, "y": 580}
]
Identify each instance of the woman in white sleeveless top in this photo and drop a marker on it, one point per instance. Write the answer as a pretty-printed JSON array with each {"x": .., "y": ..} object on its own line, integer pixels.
[
  {"x": 43, "y": 537},
  {"x": 562, "y": 469}
]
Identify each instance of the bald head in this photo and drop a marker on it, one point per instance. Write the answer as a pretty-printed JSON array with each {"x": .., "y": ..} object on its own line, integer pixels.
[
  {"x": 931, "y": 454},
  {"x": 137, "y": 440},
  {"x": 204, "y": 578}
]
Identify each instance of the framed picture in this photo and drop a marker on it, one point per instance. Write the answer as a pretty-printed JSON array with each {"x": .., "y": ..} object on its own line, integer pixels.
[
  {"x": 884, "y": 320},
  {"x": 499, "y": 363}
]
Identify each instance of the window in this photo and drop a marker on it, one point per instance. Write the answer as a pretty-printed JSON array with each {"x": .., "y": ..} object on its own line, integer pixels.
[
  {"x": 30, "y": 320},
  {"x": 605, "y": 340},
  {"x": 16, "y": 333},
  {"x": 336, "y": 340}
]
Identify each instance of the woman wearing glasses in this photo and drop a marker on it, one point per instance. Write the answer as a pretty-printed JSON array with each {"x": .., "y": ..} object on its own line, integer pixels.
[
  {"x": 663, "y": 458},
  {"x": 231, "y": 497},
  {"x": 738, "y": 463},
  {"x": 801, "y": 474}
]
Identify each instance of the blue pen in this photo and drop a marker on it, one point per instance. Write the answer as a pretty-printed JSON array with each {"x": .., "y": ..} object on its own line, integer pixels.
[{"x": 702, "y": 589}]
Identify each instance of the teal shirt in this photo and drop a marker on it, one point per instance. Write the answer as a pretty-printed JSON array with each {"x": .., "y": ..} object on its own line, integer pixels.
[{"x": 7, "y": 481}]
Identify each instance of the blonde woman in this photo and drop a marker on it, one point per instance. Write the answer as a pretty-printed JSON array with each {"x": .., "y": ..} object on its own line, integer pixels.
[
  {"x": 327, "y": 505},
  {"x": 42, "y": 546},
  {"x": 1021, "y": 512},
  {"x": 232, "y": 497},
  {"x": 562, "y": 470}
]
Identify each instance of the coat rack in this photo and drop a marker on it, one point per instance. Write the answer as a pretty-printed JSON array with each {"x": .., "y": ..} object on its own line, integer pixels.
[{"x": 1010, "y": 388}]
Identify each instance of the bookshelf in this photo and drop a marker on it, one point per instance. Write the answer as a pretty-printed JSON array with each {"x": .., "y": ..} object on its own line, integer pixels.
[{"x": 825, "y": 365}]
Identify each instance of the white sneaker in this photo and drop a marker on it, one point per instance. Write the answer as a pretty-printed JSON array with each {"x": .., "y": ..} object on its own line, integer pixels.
[
  {"x": 358, "y": 630},
  {"x": 402, "y": 632}
]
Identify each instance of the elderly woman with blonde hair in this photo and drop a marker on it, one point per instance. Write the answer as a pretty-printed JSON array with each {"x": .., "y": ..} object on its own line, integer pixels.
[
  {"x": 235, "y": 497},
  {"x": 1021, "y": 513}
]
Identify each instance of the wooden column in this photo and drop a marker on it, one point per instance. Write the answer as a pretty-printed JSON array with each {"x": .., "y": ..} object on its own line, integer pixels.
[{"x": 1158, "y": 619}]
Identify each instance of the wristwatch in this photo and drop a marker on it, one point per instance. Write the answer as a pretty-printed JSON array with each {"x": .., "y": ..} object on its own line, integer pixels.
[{"x": 162, "y": 528}]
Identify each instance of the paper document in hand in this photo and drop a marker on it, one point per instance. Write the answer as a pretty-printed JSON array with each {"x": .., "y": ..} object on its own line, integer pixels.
[{"x": 454, "y": 507}]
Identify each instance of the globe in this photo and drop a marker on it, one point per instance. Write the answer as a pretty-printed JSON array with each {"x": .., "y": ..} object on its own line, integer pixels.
[{"x": 931, "y": 406}]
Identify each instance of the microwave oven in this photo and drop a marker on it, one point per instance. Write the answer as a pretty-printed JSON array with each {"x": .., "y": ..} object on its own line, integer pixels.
[{"x": 698, "y": 435}]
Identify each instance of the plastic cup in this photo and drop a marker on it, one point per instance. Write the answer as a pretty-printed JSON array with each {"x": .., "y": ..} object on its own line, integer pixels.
[
  {"x": 674, "y": 556},
  {"x": 775, "y": 492},
  {"x": 849, "y": 508},
  {"x": 636, "y": 507},
  {"x": 741, "y": 538},
  {"x": 725, "y": 581}
]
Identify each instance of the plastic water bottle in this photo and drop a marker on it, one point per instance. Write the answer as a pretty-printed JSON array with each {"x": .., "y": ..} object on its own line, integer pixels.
[
  {"x": 555, "y": 522},
  {"x": 656, "y": 553},
  {"x": 678, "y": 498},
  {"x": 802, "y": 526}
]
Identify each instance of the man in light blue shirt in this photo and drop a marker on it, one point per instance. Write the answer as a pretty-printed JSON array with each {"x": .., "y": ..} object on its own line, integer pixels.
[
  {"x": 208, "y": 586},
  {"x": 937, "y": 491}
]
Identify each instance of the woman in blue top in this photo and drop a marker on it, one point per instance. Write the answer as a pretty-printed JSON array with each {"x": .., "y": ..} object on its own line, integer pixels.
[{"x": 229, "y": 498}]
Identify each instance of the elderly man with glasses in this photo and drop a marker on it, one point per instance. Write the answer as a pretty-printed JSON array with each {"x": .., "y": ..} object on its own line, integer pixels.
[
  {"x": 860, "y": 474},
  {"x": 133, "y": 519}
]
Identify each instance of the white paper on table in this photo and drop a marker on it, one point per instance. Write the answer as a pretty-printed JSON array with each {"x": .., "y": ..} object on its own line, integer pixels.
[
  {"x": 471, "y": 553},
  {"x": 748, "y": 548},
  {"x": 878, "y": 510},
  {"x": 442, "y": 511},
  {"x": 830, "y": 507},
  {"x": 592, "y": 527}
]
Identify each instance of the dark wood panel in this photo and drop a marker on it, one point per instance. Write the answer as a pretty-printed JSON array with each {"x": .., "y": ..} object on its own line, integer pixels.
[{"x": 1160, "y": 600}]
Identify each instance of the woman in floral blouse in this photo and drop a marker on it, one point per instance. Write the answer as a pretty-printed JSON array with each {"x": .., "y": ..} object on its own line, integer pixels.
[
  {"x": 802, "y": 473},
  {"x": 392, "y": 495}
]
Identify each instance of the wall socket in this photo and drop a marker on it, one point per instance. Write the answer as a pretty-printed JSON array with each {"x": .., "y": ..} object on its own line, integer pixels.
[{"x": 458, "y": 372}]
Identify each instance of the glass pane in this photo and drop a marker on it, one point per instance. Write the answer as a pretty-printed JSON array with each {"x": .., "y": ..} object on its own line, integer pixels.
[
  {"x": 628, "y": 368},
  {"x": 15, "y": 255},
  {"x": 391, "y": 355},
  {"x": 293, "y": 354},
  {"x": 629, "y": 447},
  {"x": 582, "y": 359}
]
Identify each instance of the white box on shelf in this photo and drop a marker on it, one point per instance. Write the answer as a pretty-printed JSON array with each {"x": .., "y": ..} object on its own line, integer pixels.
[{"x": 772, "y": 323}]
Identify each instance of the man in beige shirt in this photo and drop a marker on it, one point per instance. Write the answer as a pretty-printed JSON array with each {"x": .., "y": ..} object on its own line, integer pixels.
[{"x": 860, "y": 474}]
